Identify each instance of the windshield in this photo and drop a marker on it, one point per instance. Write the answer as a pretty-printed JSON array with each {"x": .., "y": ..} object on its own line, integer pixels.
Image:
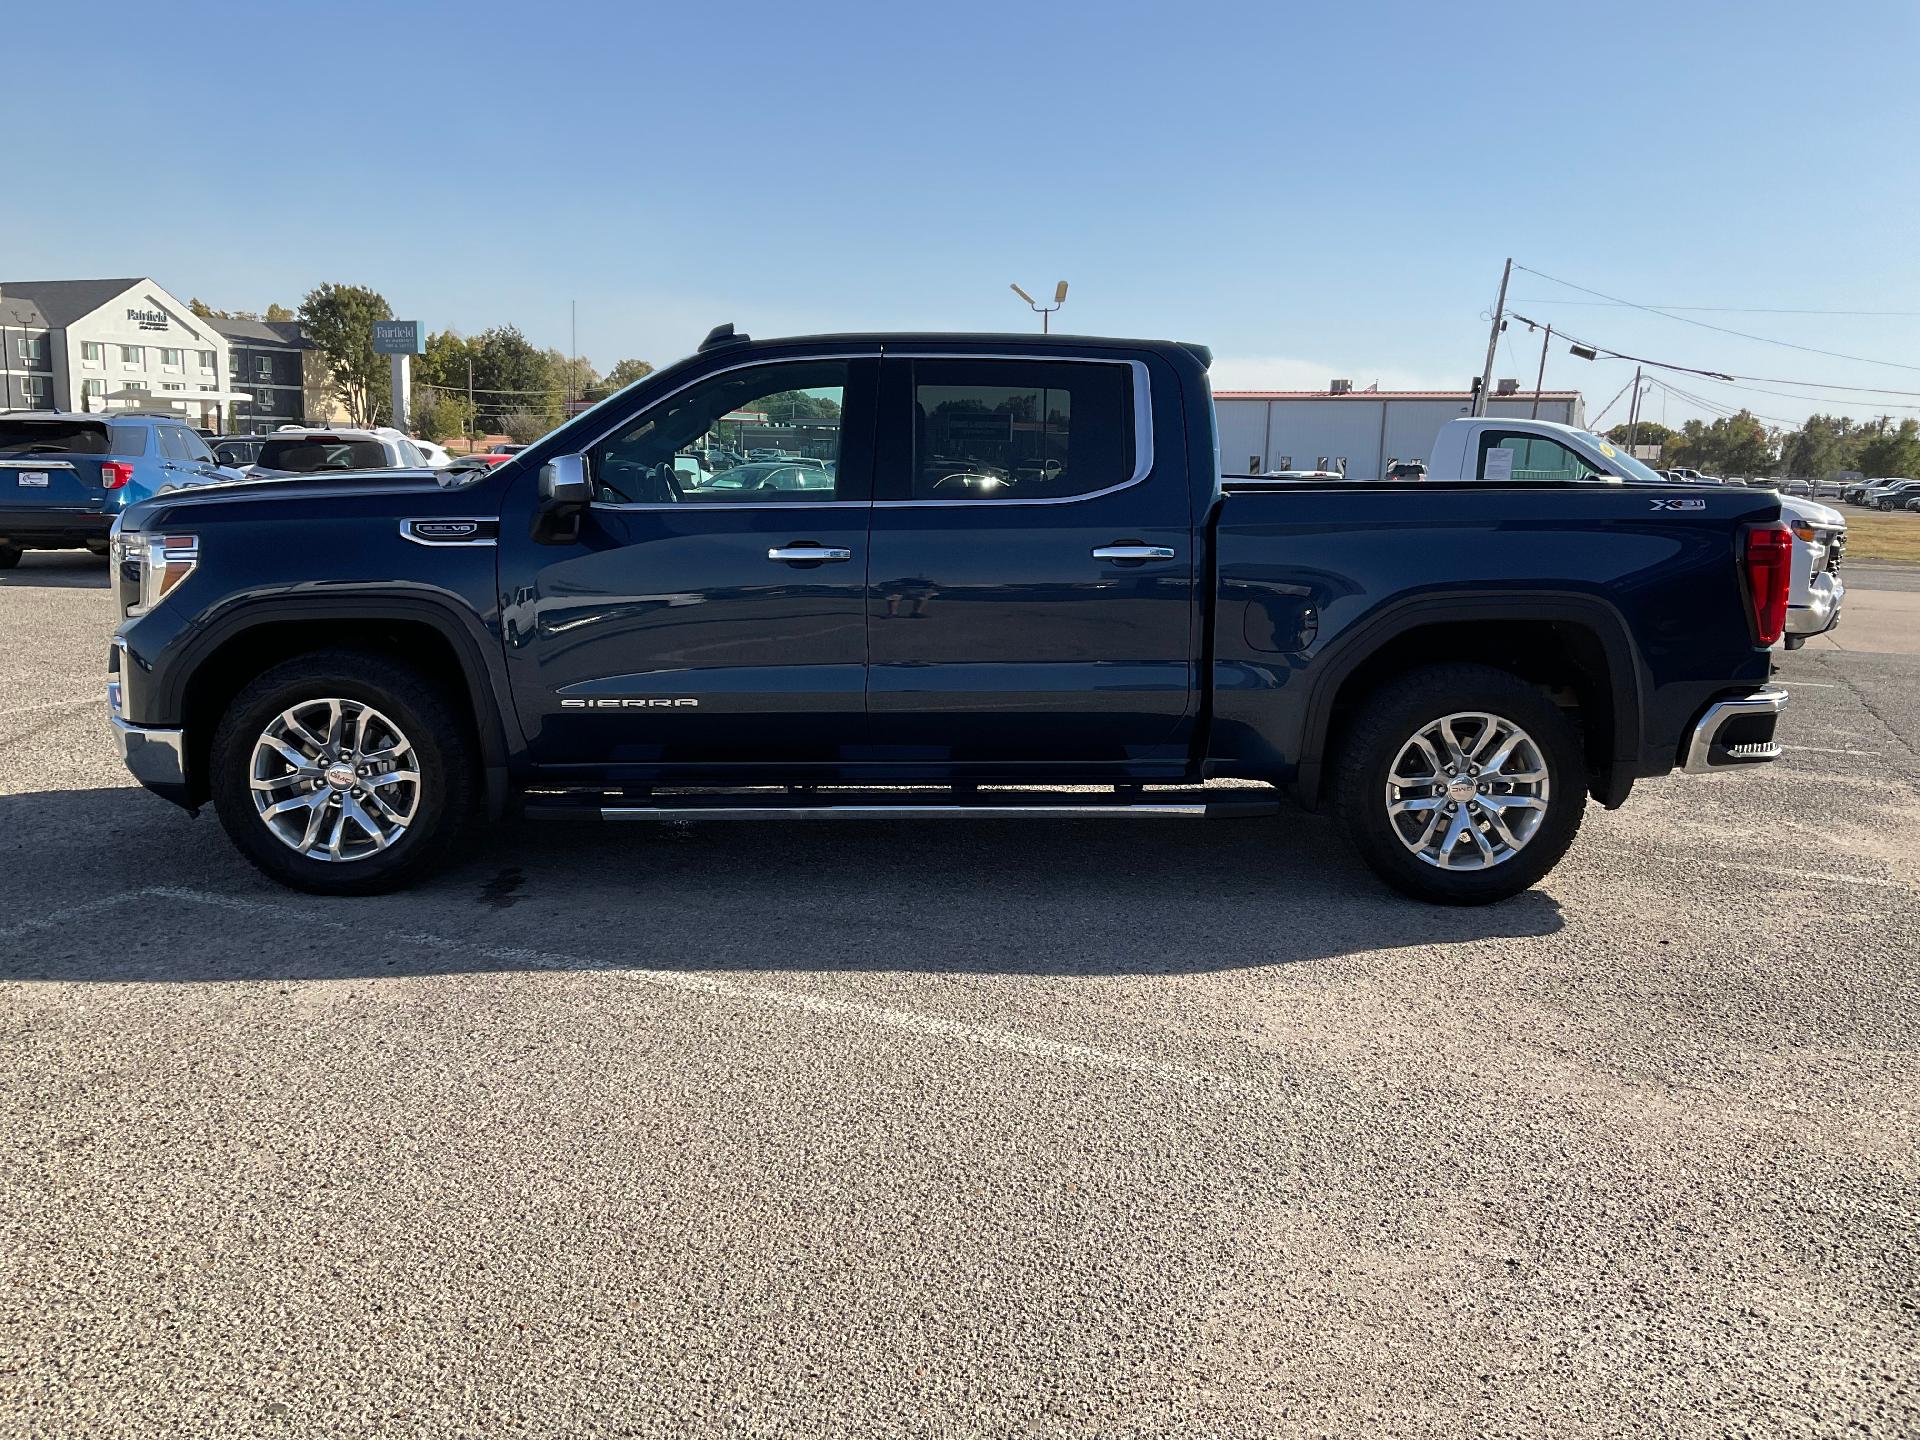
[
  {"x": 1622, "y": 464},
  {"x": 310, "y": 453}
]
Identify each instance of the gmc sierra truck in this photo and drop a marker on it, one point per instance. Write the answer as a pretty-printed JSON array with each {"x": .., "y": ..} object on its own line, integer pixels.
[{"x": 983, "y": 576}]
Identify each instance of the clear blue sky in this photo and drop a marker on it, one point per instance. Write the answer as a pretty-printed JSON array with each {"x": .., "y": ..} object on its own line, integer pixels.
[{"x": 1314, "y": 190}]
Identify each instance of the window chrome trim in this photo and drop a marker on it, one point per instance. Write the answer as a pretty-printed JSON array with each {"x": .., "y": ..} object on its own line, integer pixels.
[
  {"x": 1142, "y": 425},
  {"x": 1142, "y": 431}
]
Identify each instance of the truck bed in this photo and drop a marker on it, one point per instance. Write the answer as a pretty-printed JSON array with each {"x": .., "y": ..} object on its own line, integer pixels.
[{"x": 1641, "y": 582}]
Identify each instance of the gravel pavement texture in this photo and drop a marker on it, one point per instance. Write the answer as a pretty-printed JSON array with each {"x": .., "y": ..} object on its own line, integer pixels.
[{"x": 896, "y": 1131}]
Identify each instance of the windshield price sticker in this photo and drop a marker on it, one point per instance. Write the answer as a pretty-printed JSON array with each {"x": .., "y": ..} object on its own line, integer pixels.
[{"x": 1499, "y": 464}]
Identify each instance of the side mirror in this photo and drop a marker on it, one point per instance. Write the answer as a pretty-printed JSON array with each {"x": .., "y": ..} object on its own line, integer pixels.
[
  {"x": 564, "y": 487},
  {"x": 565, "y": 493}
]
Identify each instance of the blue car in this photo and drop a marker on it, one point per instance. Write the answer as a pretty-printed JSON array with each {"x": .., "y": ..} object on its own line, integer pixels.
[{"x": 64, "y": 477}]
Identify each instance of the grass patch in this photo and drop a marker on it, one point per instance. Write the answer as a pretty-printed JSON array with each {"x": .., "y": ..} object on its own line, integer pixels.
[{"x": 1871, "y": 535}]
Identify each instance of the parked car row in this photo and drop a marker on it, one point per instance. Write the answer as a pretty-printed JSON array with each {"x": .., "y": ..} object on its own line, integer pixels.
[{"x": 1891, "y": 492}]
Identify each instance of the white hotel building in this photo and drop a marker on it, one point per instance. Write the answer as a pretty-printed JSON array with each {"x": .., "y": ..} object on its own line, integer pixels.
[{"x": 97, "y": 345}]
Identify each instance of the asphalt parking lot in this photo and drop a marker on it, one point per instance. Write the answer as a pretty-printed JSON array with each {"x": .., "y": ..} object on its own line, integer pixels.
[{"x": 973, "y": 1131}]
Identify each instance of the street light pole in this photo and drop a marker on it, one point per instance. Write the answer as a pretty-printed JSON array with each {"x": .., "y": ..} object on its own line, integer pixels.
[{"x": 1045, "y": 312}]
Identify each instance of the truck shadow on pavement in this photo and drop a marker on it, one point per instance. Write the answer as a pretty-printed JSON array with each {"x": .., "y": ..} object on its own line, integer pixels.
[
  {"x": 1069, "y": 898},
  {"x": 57, "y": 570}
]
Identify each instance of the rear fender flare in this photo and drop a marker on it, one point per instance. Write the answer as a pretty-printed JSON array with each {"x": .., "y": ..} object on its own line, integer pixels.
[{"x": 1353, "y": 647}]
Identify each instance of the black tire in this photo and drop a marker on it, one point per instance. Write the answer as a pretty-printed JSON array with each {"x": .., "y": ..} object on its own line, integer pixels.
[
  {"x": 101, "y": 548},
  {"x": 1386, "y": 722},
  {"x": 422, "y": 709},
  {"x": 10, "y": 556}
]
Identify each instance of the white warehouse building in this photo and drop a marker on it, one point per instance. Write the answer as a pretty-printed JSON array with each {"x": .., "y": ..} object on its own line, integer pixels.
[{"x": 1358, "y": 432}]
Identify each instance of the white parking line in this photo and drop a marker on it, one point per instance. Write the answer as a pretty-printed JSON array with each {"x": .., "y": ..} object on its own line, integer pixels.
[
  {"x": 55, "y": 705},
  {"x": 1827, "y": 876},
  {"x": 909, "y": 1021},
  {"x": 1823, "y": 750},
  {"x": 1811, "y": 685}
]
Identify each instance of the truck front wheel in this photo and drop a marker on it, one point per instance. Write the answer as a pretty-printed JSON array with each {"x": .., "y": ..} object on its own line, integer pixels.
[
  {"x": 342, "y": 773},
  {"x": 1460, "y": 784}
]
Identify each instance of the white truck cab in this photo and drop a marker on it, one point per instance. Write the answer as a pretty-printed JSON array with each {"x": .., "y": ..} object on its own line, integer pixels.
[{"x": 1488, "y": 447}]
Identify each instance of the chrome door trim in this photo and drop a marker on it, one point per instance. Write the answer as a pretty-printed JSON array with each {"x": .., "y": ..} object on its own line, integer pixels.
[
  {"x": 1133, "y": 552},
  {"x": 813, "y": 553},
  {"x": 1142, "y": 429}
]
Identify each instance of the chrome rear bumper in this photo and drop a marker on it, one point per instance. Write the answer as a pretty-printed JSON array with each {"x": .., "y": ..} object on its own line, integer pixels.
[{"x": 1737, "y": 731}]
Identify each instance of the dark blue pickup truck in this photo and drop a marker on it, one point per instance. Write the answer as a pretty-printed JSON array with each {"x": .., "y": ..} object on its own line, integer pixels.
[{"x": 922, "y": 576}]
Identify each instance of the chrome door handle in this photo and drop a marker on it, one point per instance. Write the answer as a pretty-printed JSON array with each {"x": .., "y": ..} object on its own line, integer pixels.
[
  {"x": 1133, "y": 552},
  {"x": 808, "y": 552}
]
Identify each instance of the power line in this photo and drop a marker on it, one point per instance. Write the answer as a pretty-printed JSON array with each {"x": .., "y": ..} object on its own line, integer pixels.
[
  {"x": 1722, "y": 329},
  {"x": 1708, "y": 309}
]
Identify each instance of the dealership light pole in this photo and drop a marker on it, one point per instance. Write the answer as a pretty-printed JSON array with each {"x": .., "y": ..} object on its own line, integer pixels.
[{"x": 1045, "y": 312}]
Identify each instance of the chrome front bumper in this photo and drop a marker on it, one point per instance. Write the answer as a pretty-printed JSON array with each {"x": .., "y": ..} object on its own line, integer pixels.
[
  {"x": 157, "y": 758},
  {"x": 1818, "y": 611},
  {"x": 1738, "y": 731}
]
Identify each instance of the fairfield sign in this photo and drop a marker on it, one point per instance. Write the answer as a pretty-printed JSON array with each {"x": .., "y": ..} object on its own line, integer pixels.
[{"x": 147, "y": 319}]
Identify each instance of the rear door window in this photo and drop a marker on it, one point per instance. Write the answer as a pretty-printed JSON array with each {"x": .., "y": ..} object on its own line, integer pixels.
[
  {"x": 171, "y": 444},
  {"x": 1020, "y": 429}
]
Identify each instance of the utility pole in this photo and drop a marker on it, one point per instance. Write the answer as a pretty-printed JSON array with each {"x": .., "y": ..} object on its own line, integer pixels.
[
  {"x": 1541, "y": 378},
  {"x": 573, "y": 359},
  {"x": 1633, "y": 412},
  {"x": 470, "y": 414},
  {"x": 1493, "y": 339}
]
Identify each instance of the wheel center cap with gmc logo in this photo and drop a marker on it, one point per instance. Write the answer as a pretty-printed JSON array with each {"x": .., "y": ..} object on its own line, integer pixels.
[{"x": 341, "y": 776}]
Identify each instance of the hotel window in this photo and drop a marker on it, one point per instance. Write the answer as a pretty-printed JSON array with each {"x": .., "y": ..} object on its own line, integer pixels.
[
  {"x": 33, "y": 387},
  {"x": 32, "y": 349},
  {"x": 263, "y": 367},
  {"x": 92, "y": 352},
  {"x": 164, "y": 385},
  {"x": 96, "y": 389},
  {"x": 131, "y": 355},
  {"x": 233, "y": 364},
  {"x": 170, "y": 358},
  {"x": 206, "y": 359}
]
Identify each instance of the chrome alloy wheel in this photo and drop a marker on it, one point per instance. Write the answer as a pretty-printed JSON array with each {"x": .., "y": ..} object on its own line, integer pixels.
[
  {"x": 335, "y": 780},
  {"x": 1468, "y": 791}
]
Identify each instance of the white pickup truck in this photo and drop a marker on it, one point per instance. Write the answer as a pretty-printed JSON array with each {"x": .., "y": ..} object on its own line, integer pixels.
[{"x": 1501, "y": 448}]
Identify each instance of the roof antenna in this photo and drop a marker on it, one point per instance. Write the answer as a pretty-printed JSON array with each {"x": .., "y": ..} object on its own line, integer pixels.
[{"x": 722, "y": 335}]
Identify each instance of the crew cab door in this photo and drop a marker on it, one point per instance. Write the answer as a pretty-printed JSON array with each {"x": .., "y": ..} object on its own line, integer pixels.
[
  {"x": 1033, "y": 565},
  {"x": 710, "y": 613}
]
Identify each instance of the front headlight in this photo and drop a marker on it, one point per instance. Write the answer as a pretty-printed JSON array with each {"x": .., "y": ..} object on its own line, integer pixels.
[{"x": 161, "y": 562}]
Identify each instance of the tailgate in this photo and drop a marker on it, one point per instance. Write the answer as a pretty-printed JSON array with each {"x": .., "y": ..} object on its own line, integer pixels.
[{"x": 52, "y": 463}]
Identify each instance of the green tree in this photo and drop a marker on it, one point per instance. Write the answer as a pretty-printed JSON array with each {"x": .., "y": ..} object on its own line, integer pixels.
[
  {"x": 1825, "y": 444},
  {"x": 509, "y": 374},
  {"x": 338, "y": 319},
  {"x": 279, "y": 314},
  {"x": 439, "y": 414},
  {"x": 625, "y": 373},
  {"x": 1735, "y": 445},
  {"x": 525, "y": 423},
  {"x": 1647, "y": 432},
  {"x": 1892, "y": 452},
  {"x": 444, "y": 362},
  {"x": 572, "y": 378}
]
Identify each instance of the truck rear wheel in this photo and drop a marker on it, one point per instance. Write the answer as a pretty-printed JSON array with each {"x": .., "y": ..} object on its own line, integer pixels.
[
  {"x": 1460, "y": 784},
  {"x": 342, "y": 773},
  {"x": 10, "y": 556}
]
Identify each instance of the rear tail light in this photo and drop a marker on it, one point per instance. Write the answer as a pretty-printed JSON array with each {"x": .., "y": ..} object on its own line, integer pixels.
[
  {"x": 115, "y": 473},
  {"x": 1769, "y": 568}
]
